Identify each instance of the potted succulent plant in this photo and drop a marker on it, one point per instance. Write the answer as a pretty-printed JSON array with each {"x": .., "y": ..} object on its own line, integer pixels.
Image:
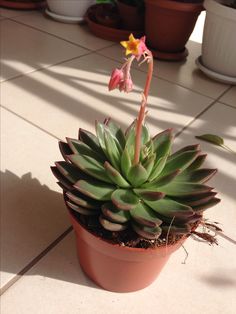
[
  {"x": 70, "y": 11},
  {"x": 132, "y": 14},
  {"x": 218, "y": 59},
  {"x": 132, "y": 202},
  {"x": 23, "y": 4},
  {"x": 168, "y": 26}
]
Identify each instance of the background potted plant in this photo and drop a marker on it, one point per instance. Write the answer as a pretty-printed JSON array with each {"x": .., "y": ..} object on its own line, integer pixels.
[
  {"x": 218, "y": 59},
  {"x": 132, "y": 14},
  {"x": 168, "y": 26},
  {"x": 132, "y": 202},
  {"x": 23, "y": 4},
  {"x": 70, "y": 11}
]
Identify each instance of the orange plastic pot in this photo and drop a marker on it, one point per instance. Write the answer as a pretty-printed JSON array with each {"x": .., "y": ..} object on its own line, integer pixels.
[
  {"x": 119, "y": 268},
  {"x": 169, "y": 24}
]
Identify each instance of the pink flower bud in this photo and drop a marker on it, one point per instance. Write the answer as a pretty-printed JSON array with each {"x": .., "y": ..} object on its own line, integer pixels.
[
  {"x": 116, "y": 78},
  {"x": 141, "y": 47},
  {"x": 126, "y": 85}
]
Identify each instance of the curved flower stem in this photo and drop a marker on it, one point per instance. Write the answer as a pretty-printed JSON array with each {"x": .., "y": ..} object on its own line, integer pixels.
[{"x": 142, "y": 110}]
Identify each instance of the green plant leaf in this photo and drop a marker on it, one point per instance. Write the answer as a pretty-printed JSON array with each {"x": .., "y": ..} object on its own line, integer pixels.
[
  {"x": 117, "y": 133},
  {"x": 69, "y": 171},
  {"x": 149, "y": 195},
  {"x": 211, "y": 138},
  {"x": 183, "y": 188},
  {"x": 182, "y": 229},
  {"x": 197, "y": 163},
  {"x": 170, "y": 208},
  {"x": 90, "y": 166},
  {"x": 65, "y": 150},
  {"x": 157, "y": 168},
  {"x": 91, "y": 140},
  {"x": 161, "y": 181},
  {"x": 144, "y": 215},
  {"x": 162, "y": 143},
  {"x": 180, "y": 162},
  {"x": 214, "y": 201},
  {"x": 124, "y": 199},
  {"x": 115, "y": 176},
  {"x": 196, "y": 176},
  {"x": 64, "y": 183},
  {"x": 112, "y": 149},
  {"x": 95, "y": 189},
  {"x": 137, "y": 175},
  {"x": 147, "y": 232},
  {"x": 81, "y": 200},
  {"x": 78, "y": 147},
  {"x": 148, "y": 164},
  {"x": 111, "y": 212},
  {"x": 195, "y": 200},
  {"x": 188, "y": 148},
  {"x": 111, "y": 226},
  {"x": 81, "y": 210},
  {"x": 125, "y": 163}
]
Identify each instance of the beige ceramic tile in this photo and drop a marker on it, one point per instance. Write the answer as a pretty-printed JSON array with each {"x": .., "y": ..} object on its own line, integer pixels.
[
  {"x": 182, "y": 73},
  {"x": 32, "y": 210},
  {"x": 25, "y": 49},
  {"x": 219, "y": 120},
  {"x": 57, "y": 285},
  {"x": 13, "y": 13},
  {"x": 76, "y": 33},
  {"x": 230, "y": 97},
  {"x": 75, "y": 93}
]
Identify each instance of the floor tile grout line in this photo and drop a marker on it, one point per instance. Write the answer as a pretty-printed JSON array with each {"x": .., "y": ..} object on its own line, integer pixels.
[
  {"x": 160, "y": 77},
  {"x": 223, "y": 103},
  {"x": 56, "y": 36},
  {"x": 31, "y": 123},
  {"x": 202, "y": 112},
  {"x": 35, "y": 261},
  {"x": 46, "y": 67}
]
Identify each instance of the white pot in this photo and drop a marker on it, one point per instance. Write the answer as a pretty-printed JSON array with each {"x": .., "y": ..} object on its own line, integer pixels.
[
  {"x": 70, "y": 8},
  {"x": 219, "y": 38}
]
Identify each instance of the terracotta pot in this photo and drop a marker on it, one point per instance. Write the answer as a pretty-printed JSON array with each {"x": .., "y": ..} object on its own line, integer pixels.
[
  {"x": 117, "y": 268},
  {"x": 169, "y": 24},
  {"x": 23, "y": 4},
  {"x": 131, "y": 17}
]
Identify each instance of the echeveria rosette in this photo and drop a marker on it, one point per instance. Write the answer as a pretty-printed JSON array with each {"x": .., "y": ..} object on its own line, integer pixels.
[
  {"x": 132, "y": 180},
  {"x": 163, "y": 193}
]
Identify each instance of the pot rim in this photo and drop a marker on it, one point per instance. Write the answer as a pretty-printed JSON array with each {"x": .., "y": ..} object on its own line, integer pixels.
[
  {"x": 176, "y": 6},
  {"x": 217, "y": 7}
]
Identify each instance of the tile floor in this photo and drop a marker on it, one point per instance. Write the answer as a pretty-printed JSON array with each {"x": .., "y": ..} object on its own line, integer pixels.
[{"x": 53, "y": 81}]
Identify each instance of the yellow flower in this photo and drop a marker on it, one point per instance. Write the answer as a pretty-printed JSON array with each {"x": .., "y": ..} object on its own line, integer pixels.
[{"x": 131, "y": 46}]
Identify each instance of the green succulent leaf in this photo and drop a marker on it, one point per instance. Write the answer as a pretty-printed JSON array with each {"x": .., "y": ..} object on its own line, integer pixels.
[
  {"x": 147, "y": 232},
  {"x": 124, "y": 199},
  {"x": 125, "y": 163},
  {"x": 69, "y": 171},
  {"x": 206, "y": 205},
  {"x": 81, "y": 210},
  {"x": 78, "y": 147},
  {"x": 188, "y": 148},
  {"x": 211, "y": 138},
  {"x": 181, "y": 162},
  {"x": 95, "y": 189},
  {"x": 196, "y": 200},
  {"x": 149, "y": 195},
  {"x": 162, "y": 143},
  {"x": 111, "y": 212},
  {"x": 170, "y": 208},
  {"x": 64, "y": 183},
  {"x": 115, "y": 176},
  {"x": 117, "y": 133},
  {"x": 111, "y": 226},
  {"x": 197, "y": 163},
  {"x": 184, "y": 188},
  {"x": 112, "y": 149},
  {"x": 157, "y": 168},
  {"x": 91, "y": 140},
  {"x": 196, "y": 176},
  {"x": 137, "y": 175},
  {"x": 90, "y": 166},
  {"x": 161, "y": 181},
  {"x": 183, "y": 229},
  {"x": 149, "y": 163},
  {"x": 81, "y": 200},
  {"x": 145, "y": 215},
  {"x": 65, "y": 150}
]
